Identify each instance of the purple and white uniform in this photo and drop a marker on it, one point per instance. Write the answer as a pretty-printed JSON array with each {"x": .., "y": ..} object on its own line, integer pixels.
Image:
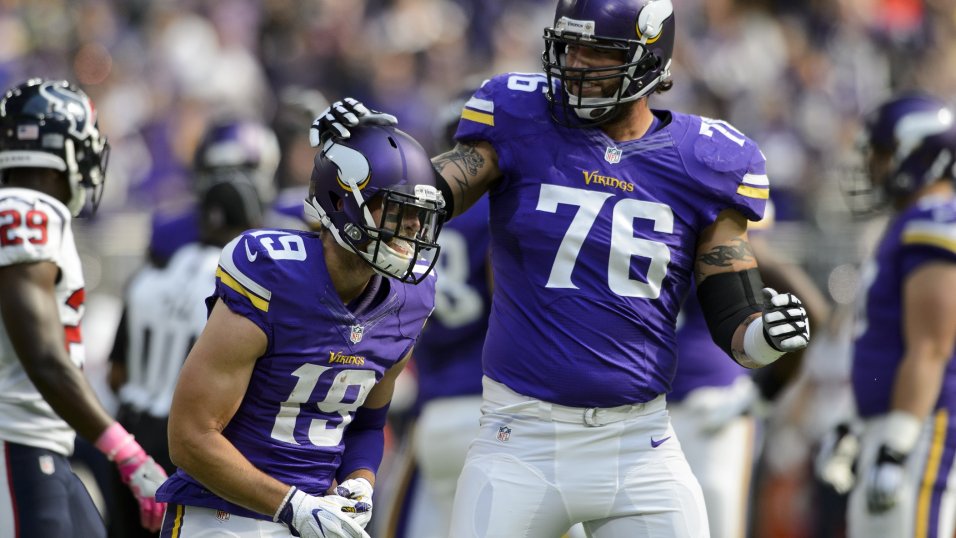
[
  {"x": 594, "y": 245},
  {"x": 922, "y": 234},
  {"x": 322, "y": 359}
]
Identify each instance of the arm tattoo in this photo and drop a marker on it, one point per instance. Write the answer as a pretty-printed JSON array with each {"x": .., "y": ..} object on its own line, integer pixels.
[
  {"x": 460, "y": 164},
  {"x": 726, "y": 255}
]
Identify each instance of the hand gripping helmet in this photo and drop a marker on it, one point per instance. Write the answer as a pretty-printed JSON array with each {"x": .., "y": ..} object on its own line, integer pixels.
[
  {"x": 52, "y": 124},
  {"x": 379, "y": 166},
  {"x": 238, "y": 146},
  {"x": 642, "y": 29},
  {"x": 907, "y": 143}
]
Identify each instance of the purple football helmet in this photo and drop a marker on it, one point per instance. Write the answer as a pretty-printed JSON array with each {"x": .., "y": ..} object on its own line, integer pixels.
[
  {"x": 52, "y": 124},
  {"x": 642, "y": 29},
  {"x": 233, "y": 147},
  {"x": 379, "y": 165},
  {"x": 908, "y": 142}
]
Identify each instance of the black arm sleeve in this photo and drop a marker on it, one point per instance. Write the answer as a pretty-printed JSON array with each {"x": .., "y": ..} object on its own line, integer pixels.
[{"x": 727, "y": 299}]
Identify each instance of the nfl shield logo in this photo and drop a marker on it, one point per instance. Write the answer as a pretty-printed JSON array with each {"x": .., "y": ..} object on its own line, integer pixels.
[
  {"x": 612, "y": 155},
  {"x": 357, "y": 332},
  {"x": 222, "y": 515},
  {"x": 504, "y": 433},
  {"x": 47, "y": 466}
]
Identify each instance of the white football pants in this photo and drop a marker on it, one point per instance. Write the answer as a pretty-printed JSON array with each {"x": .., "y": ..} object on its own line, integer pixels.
[
  {"x": 194, "y": 522},
  {"x": 537, "y": 468}
]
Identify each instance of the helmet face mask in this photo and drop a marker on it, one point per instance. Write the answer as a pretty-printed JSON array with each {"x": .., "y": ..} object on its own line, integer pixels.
[
  {"x": 907, "y": 143},
  {"x": 52, "y": 124},
  {"x": 640, "y": 33},
  {"x": 375, "y": 193}
]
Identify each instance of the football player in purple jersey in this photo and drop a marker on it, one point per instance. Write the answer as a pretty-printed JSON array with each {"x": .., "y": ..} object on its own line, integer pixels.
[
  {"x": 602, "y": 211},
  {"x": 277, "y": 420},
  {"x": 903, "y": 375},
  {"x": 52, "y": 168}
]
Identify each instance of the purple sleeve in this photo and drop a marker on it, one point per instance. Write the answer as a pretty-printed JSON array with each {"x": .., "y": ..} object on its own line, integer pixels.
[
  {"x": 243, "y": 283},
  {"x": 364, "y": 441}
]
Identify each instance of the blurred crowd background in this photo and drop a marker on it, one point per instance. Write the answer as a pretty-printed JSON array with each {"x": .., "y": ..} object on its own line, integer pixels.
[{"x": 794, "y": 75}]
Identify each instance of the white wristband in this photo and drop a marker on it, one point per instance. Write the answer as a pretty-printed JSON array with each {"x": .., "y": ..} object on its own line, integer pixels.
[
  {"x": 756, "y": 346},
  {"x": 285, "y": 500},
  {"x": 901, "y": 431}
]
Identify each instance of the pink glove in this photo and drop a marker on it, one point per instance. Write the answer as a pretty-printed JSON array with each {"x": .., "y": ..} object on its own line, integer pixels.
[{"x": 137, "y": 470}]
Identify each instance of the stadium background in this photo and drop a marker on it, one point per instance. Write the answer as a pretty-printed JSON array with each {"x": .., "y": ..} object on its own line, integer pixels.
[{"x": 794, "y": 75}]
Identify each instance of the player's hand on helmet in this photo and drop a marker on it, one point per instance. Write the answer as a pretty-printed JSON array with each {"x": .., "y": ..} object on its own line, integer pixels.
[
  {"x": 835, "y": 461},
  {"x": 310, "y": 516},
  {"x": 340, "y": 115},
  {"x": 884, "y": 482},
  {"x": 354, "y": 496},
  {"x": 785, "y": 323}
]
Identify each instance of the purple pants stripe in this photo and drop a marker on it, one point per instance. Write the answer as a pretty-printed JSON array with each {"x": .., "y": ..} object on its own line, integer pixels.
[{"x": 939, "y": 463}]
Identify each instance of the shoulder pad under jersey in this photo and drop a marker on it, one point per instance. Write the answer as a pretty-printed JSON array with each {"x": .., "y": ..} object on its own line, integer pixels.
[
  {"x": 931, "y": 228},
  {"x": 506, "y": 106},
  {"x": 728, "y": 163}
]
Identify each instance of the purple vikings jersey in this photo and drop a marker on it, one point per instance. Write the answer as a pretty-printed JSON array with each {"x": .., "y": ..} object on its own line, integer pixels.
[
  {"x": 922, "y": 234},
  {"x": 321, "y": 361},
  {"x": 448, "y": 357},
  {"x": 594, "y": 241}
]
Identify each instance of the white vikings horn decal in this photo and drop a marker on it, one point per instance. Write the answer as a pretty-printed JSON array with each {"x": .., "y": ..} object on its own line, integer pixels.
[
  {"x": 353, "y": 166},
  {"x": 651, "y": 20}
]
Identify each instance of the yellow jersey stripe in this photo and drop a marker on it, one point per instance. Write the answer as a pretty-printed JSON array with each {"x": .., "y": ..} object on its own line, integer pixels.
[
  {"x": 923, "y": 238},
  {"x": 178, "y": 521},
  {"x": 925, "y": 500},
  {"x": 256, "y": 301},
  {"x": 753, "y": 192},
  {"x": 478, "y": 117}
]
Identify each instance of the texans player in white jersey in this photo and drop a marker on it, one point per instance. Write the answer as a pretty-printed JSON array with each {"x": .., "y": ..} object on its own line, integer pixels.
[
  {"x": 903, "y": 373},
  {"x": 52, "y": 161},
  {"x": 277, "y": 419},
  {"x": 164, "y": 306},
  {"x": 602, "y": 211}
]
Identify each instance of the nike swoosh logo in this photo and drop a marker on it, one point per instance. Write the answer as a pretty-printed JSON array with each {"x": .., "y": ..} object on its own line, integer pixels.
[
  {"x": 250, "y": 254},
  {"x": 655, "y": 444},
  {"x": 316, "y": 518}
]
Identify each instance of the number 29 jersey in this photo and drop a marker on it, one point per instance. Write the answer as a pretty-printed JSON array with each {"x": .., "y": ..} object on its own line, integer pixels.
[
  {"x": 321, "y": 361},
  {"x": 594, "y": 240},
  {"x": 35, "y": 227}
]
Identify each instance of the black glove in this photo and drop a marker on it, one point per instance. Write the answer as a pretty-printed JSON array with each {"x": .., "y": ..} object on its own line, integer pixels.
[
  {"x": 785, "y": 323},
  {"x": 340, "y": 115}
]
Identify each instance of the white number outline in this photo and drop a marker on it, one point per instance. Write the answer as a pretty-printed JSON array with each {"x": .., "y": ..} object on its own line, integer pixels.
[
  {"x": 623, "y": 243},
  {"x": 283, "y": 428}
]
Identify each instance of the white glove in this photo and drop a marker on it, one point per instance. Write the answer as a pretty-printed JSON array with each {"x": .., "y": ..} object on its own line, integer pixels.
[
  {"x": 885, "y": 480},
  {"x": 785, "y": 323},
  {"x": 309, "y": 516},
  {"x": 337, "y": 118},
  {"x": 836, "y": 458},
  {"x": 354, "y": 496}
]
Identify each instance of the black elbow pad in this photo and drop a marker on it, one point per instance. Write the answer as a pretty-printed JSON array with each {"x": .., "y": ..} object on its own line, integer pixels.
[{"x": 727, "y": 299}]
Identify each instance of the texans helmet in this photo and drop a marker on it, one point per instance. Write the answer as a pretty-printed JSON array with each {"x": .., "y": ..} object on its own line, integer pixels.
[
  {"x": 52, "y": 124},
  {"x": 238, "y": 146},
  {"x": 907, "y": 143},
  {"x": 643, "y": 30},
  {"x": 379, "y": 165}
]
